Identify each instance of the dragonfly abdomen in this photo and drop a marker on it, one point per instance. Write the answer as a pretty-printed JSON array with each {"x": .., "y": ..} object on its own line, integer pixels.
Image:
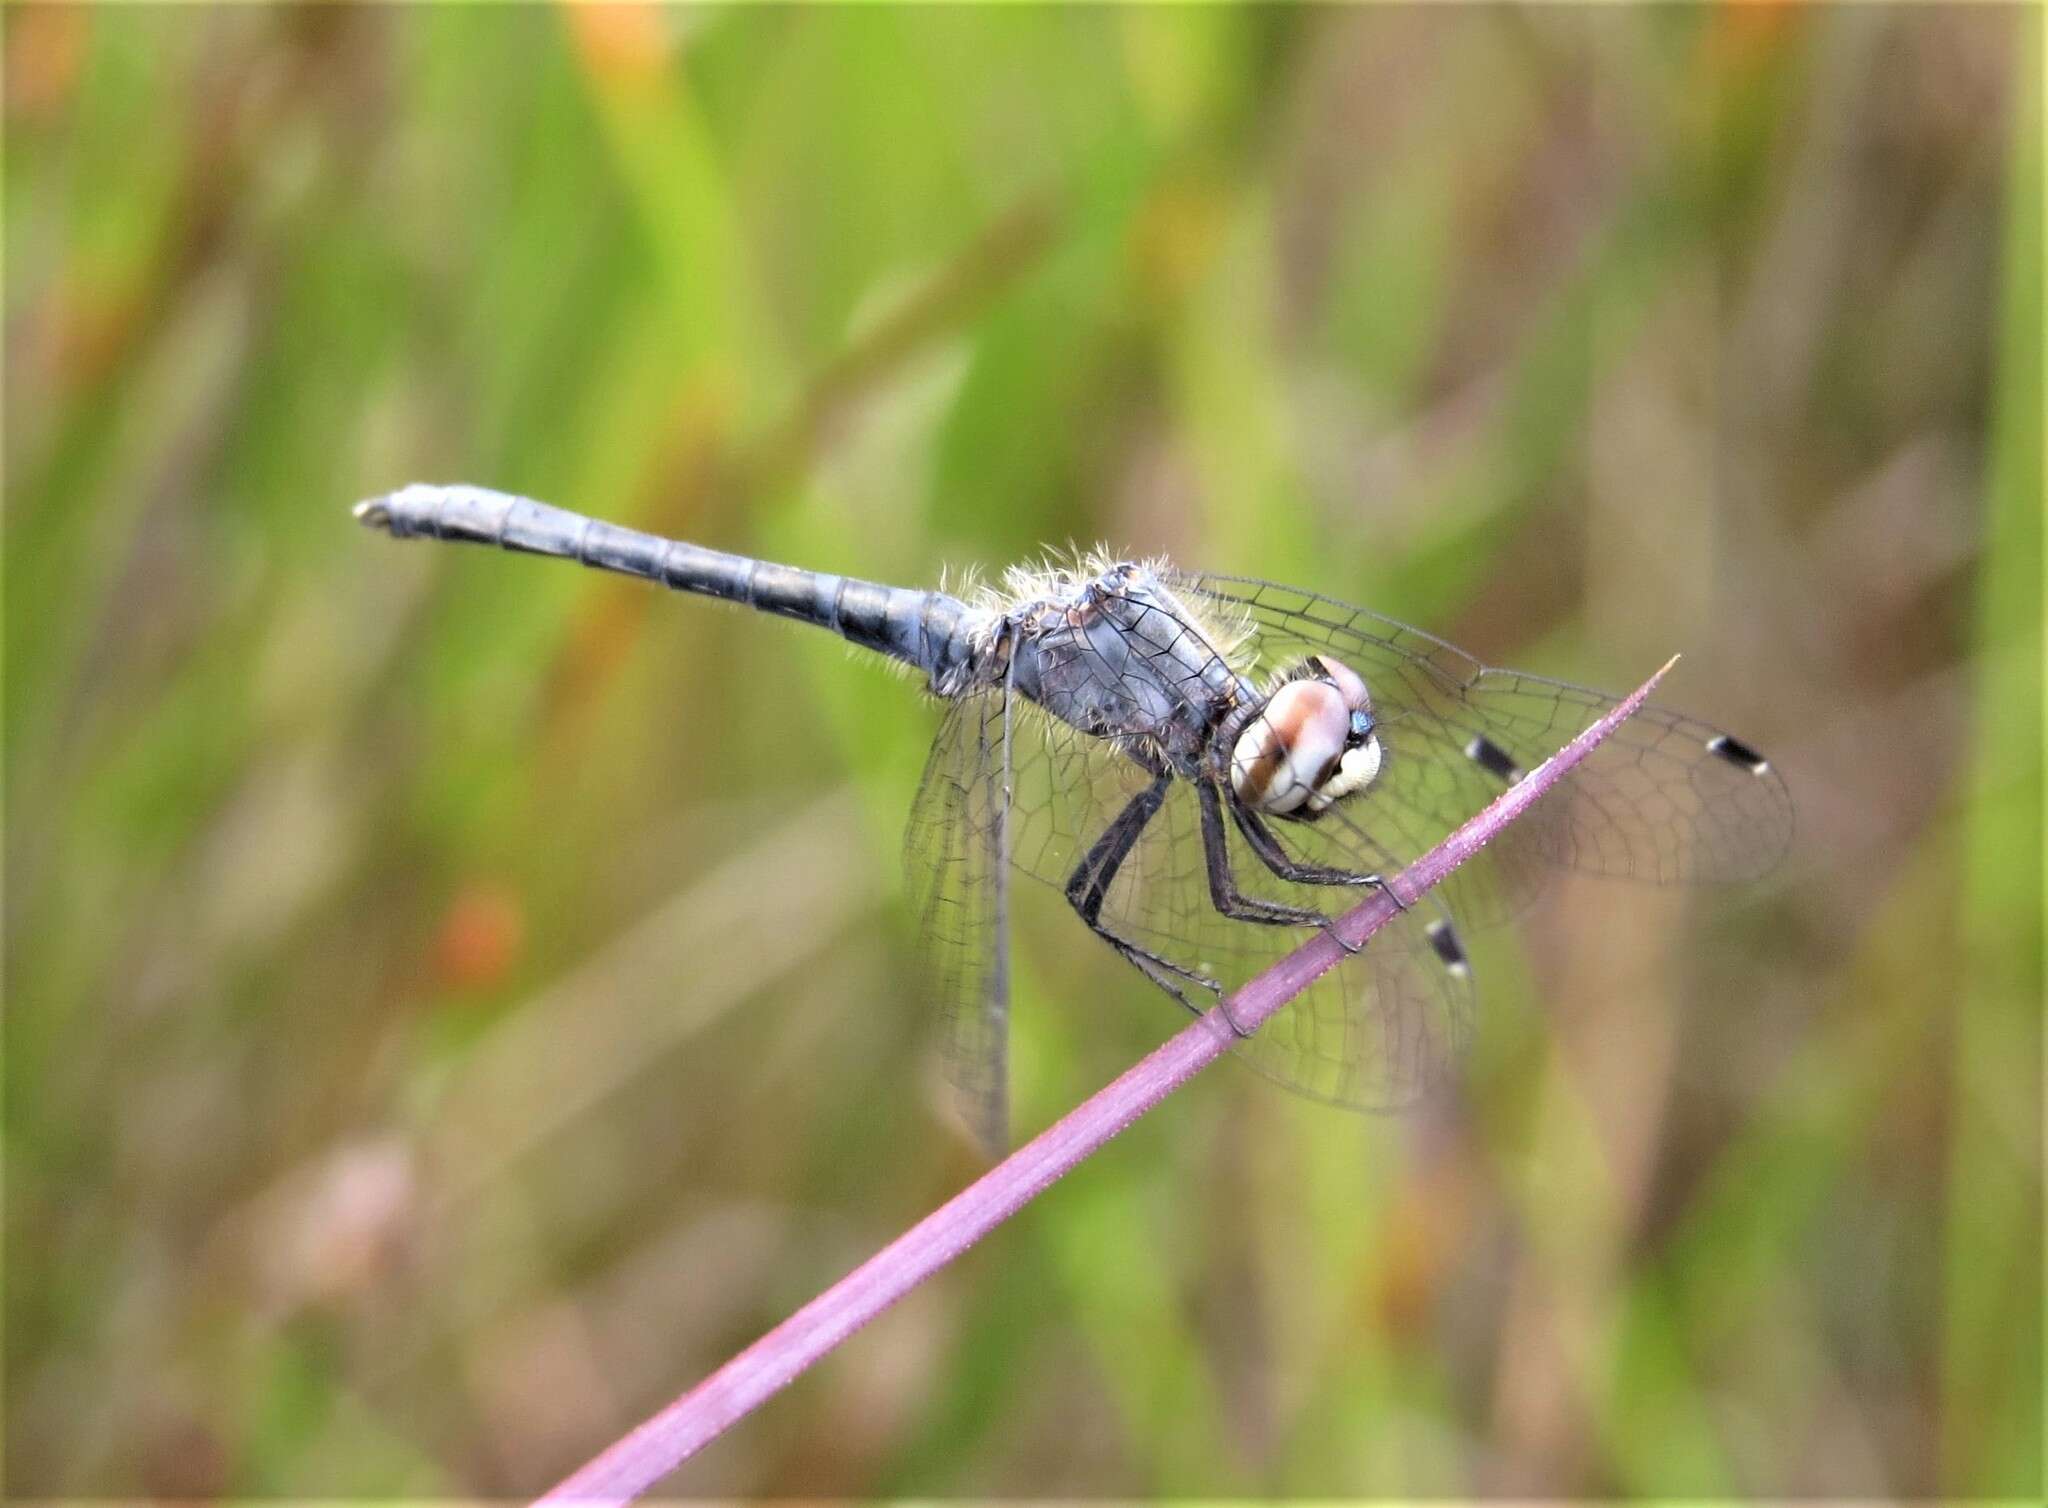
[{"x": 932, "y": 631}]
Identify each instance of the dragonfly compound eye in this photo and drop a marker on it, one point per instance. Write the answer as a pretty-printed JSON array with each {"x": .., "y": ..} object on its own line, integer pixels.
[
  {"x": 1293, "y": 753},
  {"x": 1348, "y": 683}
]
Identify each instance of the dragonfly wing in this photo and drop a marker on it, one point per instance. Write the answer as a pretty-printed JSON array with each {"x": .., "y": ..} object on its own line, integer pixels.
[
  {"x": 1665, "y": 799},
  {"x": 953, "y": 854},
  {"x": 1379, "y": 1031}
]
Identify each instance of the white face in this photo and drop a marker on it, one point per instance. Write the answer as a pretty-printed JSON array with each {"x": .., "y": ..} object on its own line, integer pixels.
[{"x": 1311, "y": 744}]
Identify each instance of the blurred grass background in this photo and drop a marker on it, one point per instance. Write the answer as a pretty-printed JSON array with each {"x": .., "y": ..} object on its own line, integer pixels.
[{"x": 454, "y": 1001}]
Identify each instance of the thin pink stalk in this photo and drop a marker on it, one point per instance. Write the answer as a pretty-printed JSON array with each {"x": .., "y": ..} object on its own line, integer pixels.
[{"x": 643, "y": 1457}]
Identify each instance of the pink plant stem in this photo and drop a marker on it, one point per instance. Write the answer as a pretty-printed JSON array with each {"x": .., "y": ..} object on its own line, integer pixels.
[{"x": 642, "y": 1458}]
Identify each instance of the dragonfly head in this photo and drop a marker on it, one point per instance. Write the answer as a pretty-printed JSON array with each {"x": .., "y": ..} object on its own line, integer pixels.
[{"x": 1313, "y": 743}]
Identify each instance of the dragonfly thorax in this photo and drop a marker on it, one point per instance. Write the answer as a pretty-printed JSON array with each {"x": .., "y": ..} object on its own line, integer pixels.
[
  {"x": 1311, "y": 745},
  {"x": 1114, "y": 651}
]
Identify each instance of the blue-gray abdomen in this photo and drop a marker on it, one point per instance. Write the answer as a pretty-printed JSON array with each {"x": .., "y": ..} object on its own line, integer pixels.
[{"x": 935, "y": 632}]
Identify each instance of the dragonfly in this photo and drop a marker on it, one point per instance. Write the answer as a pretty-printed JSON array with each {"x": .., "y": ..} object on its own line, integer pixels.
[{"x": 1208, "y": 768}]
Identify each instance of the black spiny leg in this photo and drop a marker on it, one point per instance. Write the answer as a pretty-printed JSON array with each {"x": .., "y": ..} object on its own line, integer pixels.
[
  {"x": 1266, "y": 845},
  {"x": 1088, "y": 888},
  {"x": 1223, "y": 891}
]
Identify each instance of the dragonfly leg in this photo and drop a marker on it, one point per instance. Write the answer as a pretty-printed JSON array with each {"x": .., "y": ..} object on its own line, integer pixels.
[
  {"x": 1266, "y": 845},
  {"x": 1223, "y": 891},
  {"x": 1088, "y": 889}
]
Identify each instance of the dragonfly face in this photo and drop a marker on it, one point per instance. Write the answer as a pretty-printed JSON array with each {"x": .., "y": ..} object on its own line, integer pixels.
[{"x": 1312, "y": 744}]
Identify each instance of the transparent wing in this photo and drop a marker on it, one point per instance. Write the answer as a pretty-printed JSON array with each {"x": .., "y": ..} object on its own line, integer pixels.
[
  {"x": 1666, "y": 799},
  {"x": 1376, "y": 1032},
  {"x": 953, "y": 857}
]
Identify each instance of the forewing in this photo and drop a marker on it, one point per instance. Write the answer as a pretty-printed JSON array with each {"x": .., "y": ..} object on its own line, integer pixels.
[
  {"x": 1665, "y": 799},
  {"x": 959, "y": 888}
]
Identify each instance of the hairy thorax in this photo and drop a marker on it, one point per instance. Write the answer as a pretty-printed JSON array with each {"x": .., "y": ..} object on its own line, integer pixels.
[{"x": 1113, "y": 650}]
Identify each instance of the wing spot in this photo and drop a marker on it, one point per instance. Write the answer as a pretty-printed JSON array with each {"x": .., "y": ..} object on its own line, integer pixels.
[
  {"x": 1738, "y": 753},
  {"x": 1493, "y": 759},
  {"x": 1449, "y": 950}
]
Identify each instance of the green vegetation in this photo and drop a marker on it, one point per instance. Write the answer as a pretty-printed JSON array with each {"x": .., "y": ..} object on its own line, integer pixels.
[{"x": 453, "y": 1001}]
